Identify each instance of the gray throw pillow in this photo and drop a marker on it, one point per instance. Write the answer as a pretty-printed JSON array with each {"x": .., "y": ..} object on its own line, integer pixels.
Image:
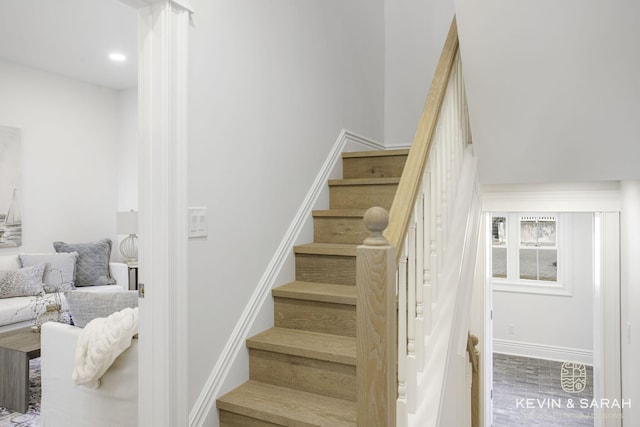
[
  {"x": 23, "y": 282},
  {"x": 86, "y": 306},
  {"x": 59, "y": 272},
  {"x": 92, "y": 267}
]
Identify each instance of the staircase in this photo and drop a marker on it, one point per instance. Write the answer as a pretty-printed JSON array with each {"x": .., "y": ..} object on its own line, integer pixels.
[{"x": 302, "y": 372}]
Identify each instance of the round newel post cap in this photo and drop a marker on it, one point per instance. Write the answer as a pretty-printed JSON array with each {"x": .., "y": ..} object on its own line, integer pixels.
[{"x": 376, "y": 220}]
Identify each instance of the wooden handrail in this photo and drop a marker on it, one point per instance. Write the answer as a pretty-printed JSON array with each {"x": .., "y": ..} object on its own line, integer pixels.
[
  {"x": 474, "y": 358},
  {"x": 407, "y": 192}
]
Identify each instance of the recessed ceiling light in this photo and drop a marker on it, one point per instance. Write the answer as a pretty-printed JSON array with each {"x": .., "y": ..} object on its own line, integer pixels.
[{"x": 118, "y": 57}]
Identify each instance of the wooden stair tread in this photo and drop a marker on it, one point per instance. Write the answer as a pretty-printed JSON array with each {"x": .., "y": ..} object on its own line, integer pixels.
[
  {"x": 364, "y": 181},
  {"x": 314, "y": 345},
  {"x": 340, "y": 213},
  {"x": 288, "y": 407},
  {"x": 376, "y": 153},
  {"x": 323, "y": 292},
  {"x": 338, "y": 249}
]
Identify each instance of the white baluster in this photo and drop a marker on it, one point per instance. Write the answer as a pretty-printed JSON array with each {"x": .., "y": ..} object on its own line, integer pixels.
[
  {"x": 420, "y": 258},
  {"x": 402, "y": 413},
  {"x": 444, "y": 206},
  {"x": 451, "y": 178},
  {"x": 434, "y": 196},
  {"x": 428, "y": 262},
  {"x": 440, "y": 239},
  {"x": 412, "y": 283}
]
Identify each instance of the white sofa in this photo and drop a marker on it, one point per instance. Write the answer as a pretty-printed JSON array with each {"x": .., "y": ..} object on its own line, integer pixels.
[
  {"x": 17, "y": 312},
  {"x": 114, "y": 403}
]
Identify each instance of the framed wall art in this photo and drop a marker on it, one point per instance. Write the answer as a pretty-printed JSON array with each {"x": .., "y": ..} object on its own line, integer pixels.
[{"x": 10, "y": 185}]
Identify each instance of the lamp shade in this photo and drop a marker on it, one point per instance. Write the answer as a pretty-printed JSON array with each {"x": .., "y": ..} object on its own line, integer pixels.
[{"x": 127, "y": 222}]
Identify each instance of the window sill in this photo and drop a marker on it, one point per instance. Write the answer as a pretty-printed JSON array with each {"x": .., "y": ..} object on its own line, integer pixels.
[{"x": 530, "y": 288}]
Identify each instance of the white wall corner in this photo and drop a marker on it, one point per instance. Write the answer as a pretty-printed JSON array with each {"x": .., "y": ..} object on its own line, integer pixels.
[{"x": 215, "y": 384}]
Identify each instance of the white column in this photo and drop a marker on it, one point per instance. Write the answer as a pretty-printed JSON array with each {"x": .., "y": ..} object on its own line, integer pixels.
[
  {"x": 162, "y": 93},
  {"x": 630, "y": 297}
]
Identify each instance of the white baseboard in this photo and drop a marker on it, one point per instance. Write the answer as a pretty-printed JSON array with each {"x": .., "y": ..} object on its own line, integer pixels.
[
  {"x": 205, "y": 401},
  {"x": 543, "y": 351}
]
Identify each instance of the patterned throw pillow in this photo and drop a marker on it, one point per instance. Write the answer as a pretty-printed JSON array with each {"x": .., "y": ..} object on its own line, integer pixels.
[
  {"x": 86, "y": 306},
  {"x": 92, "y": 267},
  {"x": 60, "y": 270},
  {"x": 22, "y": 282}
]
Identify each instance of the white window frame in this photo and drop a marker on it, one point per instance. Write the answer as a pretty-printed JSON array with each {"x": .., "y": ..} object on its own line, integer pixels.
[{"x": 512, "y": 283}]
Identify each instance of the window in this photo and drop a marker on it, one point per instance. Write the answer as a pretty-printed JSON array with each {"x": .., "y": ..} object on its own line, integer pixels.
[
  {"x": 499, "y": 243},
  {"x": 526, "y": 252},
  {"x": 538, "y": 254}
]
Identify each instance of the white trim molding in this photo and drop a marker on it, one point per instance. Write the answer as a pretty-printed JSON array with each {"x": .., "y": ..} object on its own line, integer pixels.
[
  {"x": 138, "y": 4},
  {"x": 399, "y": 146},
  {"x": 592, "y": 197},
  {"x": 542, "y": 351},
  {"x": 162, "y": 92},
  {"x": 607, "y": 382},
  {"x": 206, "y": 400}
]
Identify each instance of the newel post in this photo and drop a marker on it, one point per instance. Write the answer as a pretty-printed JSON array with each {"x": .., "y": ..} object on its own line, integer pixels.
[{"x": 376, "y": 325}]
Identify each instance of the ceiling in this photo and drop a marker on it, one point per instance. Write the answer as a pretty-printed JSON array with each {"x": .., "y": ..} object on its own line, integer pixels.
[
  {"x": 553, "y": 88},
  {"x": 72, "y": 38}
]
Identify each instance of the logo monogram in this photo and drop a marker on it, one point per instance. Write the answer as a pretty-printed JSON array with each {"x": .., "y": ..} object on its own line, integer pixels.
[{"x": 573, "y": 377}]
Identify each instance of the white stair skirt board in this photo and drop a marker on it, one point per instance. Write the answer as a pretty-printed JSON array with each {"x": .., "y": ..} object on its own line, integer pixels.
[
  {"x": 543, "y": 351},
  {"x": 206, "y": 400}
]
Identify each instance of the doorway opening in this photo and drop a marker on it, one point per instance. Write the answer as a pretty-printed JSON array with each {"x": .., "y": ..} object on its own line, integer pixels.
[{"x": 547, "y": 282}]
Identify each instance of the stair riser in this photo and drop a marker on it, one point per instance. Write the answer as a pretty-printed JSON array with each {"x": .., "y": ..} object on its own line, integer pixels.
[
  {"x": 327, "y": 318},
  {"x": 340, "y": 270},
  {"x": 373, "y": 167},
  {"x": 230, "y": 419},
  {"x": 361, "y": 196},
  {"x": 310, "y": 375},
  {"x": 339, "y": 230}
]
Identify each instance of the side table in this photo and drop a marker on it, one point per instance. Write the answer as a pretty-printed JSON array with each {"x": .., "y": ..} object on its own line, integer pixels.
[
  {"x": 16, "y": 349},
  {"x": 133, "y": 276}
]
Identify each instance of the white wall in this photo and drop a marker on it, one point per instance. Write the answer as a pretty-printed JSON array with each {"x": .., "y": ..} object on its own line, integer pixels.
[
  {"x": 127, "y": 146},
  {"x": 271, "y": 86},
  {"x": 415, "y": 33},
  {"x": 552, "y": 77},
  {"x": 69, "y": 154},
  {"x": 127, "y": 155},
  {"x": 549, "y": 320}
]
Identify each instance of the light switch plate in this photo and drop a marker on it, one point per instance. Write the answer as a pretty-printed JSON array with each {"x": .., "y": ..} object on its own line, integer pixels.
[{"x": 198, "y": 222}]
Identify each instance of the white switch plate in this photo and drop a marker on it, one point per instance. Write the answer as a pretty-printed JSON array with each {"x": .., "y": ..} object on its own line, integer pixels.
[{"x": 198, "y": 222}]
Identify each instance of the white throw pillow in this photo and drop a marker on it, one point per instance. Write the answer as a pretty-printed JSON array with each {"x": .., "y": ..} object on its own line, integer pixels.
[
  {"x": 60, "y": 271},
  {"x": 9, "y": 262}
]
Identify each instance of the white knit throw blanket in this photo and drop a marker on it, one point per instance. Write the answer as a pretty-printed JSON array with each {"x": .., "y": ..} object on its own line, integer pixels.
[{"x": 101, "y": 341}]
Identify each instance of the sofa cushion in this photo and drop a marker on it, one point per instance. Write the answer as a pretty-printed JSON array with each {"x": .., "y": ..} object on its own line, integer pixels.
[
  {"x": 60, "y": 270},
  {"x": 22, "y": 282},
  {"x": 9, "y": 262},
  {"x": 92, "y": 267},
  {"x": 86, "y": 306}
]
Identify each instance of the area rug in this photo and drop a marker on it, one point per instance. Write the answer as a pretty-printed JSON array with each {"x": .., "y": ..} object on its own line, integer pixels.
[{"x": 10, "y": 418}]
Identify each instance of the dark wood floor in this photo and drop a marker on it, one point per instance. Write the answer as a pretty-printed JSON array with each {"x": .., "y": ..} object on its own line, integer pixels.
[{"x": 528, "y": 393}]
